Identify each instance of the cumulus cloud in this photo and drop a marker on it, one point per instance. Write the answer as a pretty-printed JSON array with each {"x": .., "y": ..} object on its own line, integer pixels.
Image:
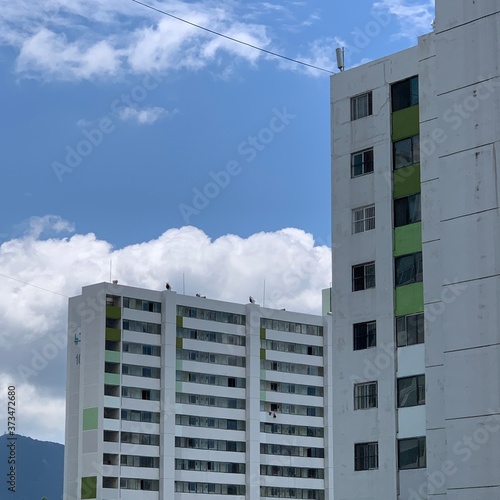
[
  {"x": 145, "y": 116},
  {"x": 51, "y": 54},
  {"x": 39, "y": 272},
  {"x": 415, "y": 16}
]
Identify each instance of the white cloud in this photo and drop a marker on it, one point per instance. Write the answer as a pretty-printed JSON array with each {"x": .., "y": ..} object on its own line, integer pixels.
[
  {"x": 415, "y": 17},
  {"x": 320, "y": 53},
  {"x": 95, "y": 39},
  {"x": 34, "y": 320},
  {"x": 52, "y": 55},
  {"x": 39, "y": 414},
  {"x": 145, "y": 116}
]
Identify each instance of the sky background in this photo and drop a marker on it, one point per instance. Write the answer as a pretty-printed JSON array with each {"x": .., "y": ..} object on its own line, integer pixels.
[{"x": 131, "y": 137}]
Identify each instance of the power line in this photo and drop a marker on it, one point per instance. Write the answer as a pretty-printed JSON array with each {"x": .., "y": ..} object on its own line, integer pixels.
[
  {"x": 275, "y": 54},
  {"x": 34, "y": 286}
]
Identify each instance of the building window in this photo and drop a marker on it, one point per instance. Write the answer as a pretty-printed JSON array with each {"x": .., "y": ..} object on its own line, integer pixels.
[
  {"x": 363, "y": 219},
  {"x": 407, "y": 210},
  {"x": 409, "y": 269},
  {"x": 366, "y": 456},
  {"x": 363, "y": 276},
  {"x": 361, "y": 106},
  {"x": 411, "y": 453},
  {"x": 411, "y": 391},
  {"x": 410, "y": 330},
  {"x": 407, "y": 152},
  {"x": 404, "y": 94},
  {"x": 364, "y": 335},
  {"x": 362, "y": 163},
  {"x": 365, "y": 396}
]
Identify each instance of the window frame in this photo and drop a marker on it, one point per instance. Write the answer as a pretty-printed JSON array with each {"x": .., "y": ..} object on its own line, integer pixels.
[
  {"x": 362, "y": 460},
  {"x": 421, "y": 448},
  {"x": 418, "y": 390},
  {"x": 358, "y": 107},
  {"x": 419, "y": 332},
  {"x": 403, "y": 211},
  {"x": 364, "y": 340},
  {"x": 414, "y": 152},
  {"x": 367, "y": 162},
  {"x": 417, "y": 275},
  {"x": 365, "y": 278},
  {"x": 364, "y": 396},
  {"x": 367, "y": 221},
  {"x": 406, "y": 98}
]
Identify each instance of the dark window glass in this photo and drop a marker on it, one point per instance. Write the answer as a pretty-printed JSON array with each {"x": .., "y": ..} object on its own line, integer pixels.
[
  {"x": 365, "y": 396},
  {"x": 411, "y": 391},
  {"x": 406, "y": 152},
  {"x": 365, "y": 456},
  {"x": 362, "y": 163},
  {"x": 412, "y": 453},
  {"x": 363, "y": 276},
  {"x": 407, "y": 210},
  {"x": 405, "y": 94},
  {"x": 364, "y": 335},
  {"x": 410, "y": 330},
  {"x": 409, "y": 269}
]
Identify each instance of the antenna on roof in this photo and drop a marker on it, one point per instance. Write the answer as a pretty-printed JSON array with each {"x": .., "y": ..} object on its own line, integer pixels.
[{"x": 340, "y": 58}]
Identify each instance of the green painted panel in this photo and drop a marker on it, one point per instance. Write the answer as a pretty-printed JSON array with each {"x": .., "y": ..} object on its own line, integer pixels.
[
  {"x": 407, "y": 181},
  {"x": 113, "y": 356},
  {"x": 405, "y": 123},
  {"x": 178, "y": 386},
  {"x": 262, "y": 333},
  {"x": 408, "y": 239},
  {"x": 112, "y": 378},
  {"x": 263, "y": 396},
  {"x": 178, "y": 343},
  {"x": 113, "y": 312},
  {"x": 409, "y": 299},
  {"x": 179, "y": 321},
  {"x": 262, "y": 354},
  {"x": 89, "y": 487},
  {"x": 263, "y": 374},
  {"x": 90, "y": 419},
  {"x": 178, "y": 364},
  {"x": 113, "y": 334}
]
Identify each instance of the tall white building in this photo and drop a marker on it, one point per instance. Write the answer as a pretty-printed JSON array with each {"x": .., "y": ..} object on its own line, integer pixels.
[
  {"x": 416, "y": 222},
  {"x": 178, "y": 397}
]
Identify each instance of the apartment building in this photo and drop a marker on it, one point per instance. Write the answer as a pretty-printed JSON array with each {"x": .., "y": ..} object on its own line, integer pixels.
[
  {"x": 415, "y": 296},
  {"x": 178, "y": 397}
]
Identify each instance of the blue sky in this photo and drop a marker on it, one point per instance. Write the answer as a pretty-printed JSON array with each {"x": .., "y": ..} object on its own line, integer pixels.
[{"x": 132, "y": 137}]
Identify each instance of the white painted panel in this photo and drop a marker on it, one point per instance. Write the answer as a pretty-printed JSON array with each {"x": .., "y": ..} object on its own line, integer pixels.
[
  {"x": 472, "y": 314},
  {"x": 473, "y": 175},
  {"x": 473, "y": 445},
  {"x": 478, "y": 238},
  {"x": 434, "y": 397},
  {"x": 411, "y": 360},
  {"x": 411, "y": 422},
  {"x": 472, "y": 382}
]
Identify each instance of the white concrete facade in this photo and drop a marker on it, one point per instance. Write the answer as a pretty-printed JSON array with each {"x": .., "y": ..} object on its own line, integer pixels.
[
  {"x": 458, "y": 70},
  {"x": 179, "y": 397}
]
